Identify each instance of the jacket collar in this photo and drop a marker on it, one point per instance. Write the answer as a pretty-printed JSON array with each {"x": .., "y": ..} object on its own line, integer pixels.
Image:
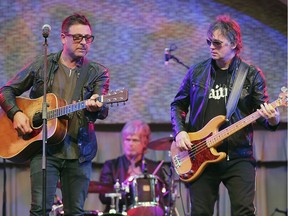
[
  {"x": 234, "y": 64},
  {"x": 57, "y": 56}
]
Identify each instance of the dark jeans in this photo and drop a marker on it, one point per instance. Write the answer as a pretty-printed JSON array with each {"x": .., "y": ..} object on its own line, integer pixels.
[
  {"x": 74, "y": 178},
  {"x": 238, "y": 176}
]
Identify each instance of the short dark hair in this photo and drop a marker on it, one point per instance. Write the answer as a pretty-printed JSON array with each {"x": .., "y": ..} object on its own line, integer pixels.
[
  {"x": 72, "y": 20},
  {"x": 229, "y": 28}
]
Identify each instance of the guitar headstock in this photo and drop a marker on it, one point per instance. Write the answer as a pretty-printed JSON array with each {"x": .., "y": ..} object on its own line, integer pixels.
[
  {"x": 115, "y": 96},
  {"x": 283, "y": 97}
]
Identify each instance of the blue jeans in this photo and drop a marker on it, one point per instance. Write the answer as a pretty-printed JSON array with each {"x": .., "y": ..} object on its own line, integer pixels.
[
  {"x": 74, "y": 178},
  {"x": 238, "y": 176}
]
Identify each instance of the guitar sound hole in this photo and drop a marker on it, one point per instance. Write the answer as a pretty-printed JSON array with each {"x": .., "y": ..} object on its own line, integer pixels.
[{"x": 37, "y": 120}]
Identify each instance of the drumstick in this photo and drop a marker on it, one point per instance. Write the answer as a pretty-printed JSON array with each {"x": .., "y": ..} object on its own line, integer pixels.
[{"x": 158, "y": 167}]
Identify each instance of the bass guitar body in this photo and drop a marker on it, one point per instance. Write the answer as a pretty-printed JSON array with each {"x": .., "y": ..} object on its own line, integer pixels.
[{"x": 190, "y": 164}]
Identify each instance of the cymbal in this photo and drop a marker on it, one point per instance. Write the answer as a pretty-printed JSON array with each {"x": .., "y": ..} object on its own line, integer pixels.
[
  {"x": 161, "y": 144},
  {"x": 99, "y": 187}
]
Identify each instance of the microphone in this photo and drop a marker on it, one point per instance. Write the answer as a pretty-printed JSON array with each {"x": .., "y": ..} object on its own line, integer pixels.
[
  {"x": 46, "y": 30},
  {"x": 167, "y": 55}
]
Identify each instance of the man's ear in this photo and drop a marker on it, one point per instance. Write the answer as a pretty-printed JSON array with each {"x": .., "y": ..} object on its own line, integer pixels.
[{"x": 62, "y": 37}]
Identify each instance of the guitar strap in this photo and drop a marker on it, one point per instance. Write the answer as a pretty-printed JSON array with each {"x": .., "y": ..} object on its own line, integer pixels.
[{"x": 236, "y": 89}]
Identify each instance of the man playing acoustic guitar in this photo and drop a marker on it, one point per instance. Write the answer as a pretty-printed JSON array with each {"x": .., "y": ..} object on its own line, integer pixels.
[
  {"x": 70, "y": 160},
  {"x": 204, "y": 92}
]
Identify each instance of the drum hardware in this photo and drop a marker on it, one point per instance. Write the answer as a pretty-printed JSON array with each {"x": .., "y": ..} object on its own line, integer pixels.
[
  {"x": 56, "y": 210},
  {"x": 115, "y": 197},
  {"x": 142, "y": 195},
  {"x": 57, "y": 207},
  {"x": 170, "y": 194},
  {"x": 158, "y": 167},
  {"x": 114, "y": 208},
  {"x": 170, "y": 208}
]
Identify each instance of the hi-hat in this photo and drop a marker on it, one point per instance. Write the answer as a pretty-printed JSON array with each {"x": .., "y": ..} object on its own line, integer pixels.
[{"x": 161, "y": 144}]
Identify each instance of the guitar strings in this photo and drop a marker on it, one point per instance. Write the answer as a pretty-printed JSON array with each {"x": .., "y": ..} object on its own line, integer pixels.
[{"x": 202, "y": 145}]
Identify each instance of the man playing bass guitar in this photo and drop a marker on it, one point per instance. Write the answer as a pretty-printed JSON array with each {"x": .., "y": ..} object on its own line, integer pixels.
[{"x": 204, "y": 92}]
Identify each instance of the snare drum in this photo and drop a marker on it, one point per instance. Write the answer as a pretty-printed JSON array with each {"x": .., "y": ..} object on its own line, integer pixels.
[{"x": 143, "y": 196}]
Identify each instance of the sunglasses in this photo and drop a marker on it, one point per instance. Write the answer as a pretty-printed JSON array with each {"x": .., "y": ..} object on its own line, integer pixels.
[
  {"x": 216, "y": 43},
  {"x": 77, "y": 38}
]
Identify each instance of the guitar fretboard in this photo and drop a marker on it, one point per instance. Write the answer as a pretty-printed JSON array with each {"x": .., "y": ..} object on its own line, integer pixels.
[
  {"x": 223, "y": 134},
  {"x": 55, "y": 113}
]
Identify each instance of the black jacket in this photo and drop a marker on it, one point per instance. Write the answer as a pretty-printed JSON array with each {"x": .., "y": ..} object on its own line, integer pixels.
[
  {"x": 31, "y": 78},
  {"x": 193, "y": 97}
]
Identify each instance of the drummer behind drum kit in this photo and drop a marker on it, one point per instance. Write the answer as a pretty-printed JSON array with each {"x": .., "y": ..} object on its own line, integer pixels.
[{"x": 144, "y": 195}]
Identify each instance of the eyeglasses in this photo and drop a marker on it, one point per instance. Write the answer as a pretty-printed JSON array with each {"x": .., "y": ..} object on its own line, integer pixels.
[
  {"x": 77, "y": 38},
  {"x": 216, "y": 43}
]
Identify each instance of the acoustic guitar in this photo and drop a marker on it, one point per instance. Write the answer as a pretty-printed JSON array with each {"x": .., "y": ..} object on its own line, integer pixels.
[
  {"x": 190, "y": 164},
  {"x": 19, "y": 149}
]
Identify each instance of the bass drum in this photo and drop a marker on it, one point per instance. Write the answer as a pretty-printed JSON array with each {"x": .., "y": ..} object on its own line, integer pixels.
[{"x": 143, "y": 196}]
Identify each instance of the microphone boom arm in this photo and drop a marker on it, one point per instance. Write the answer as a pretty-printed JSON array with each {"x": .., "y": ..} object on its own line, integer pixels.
[{"x": 178, "y": 61}]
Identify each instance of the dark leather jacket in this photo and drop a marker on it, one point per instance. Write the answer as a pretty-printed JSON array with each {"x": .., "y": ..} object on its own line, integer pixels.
[
  {"x": 193, "y": 96},
  {"x": 31, "y": 78}
]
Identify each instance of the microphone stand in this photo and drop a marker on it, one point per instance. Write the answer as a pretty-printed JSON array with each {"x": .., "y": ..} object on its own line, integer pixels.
[
  {"x": 44, "y": 127},
  {"x": 144, "y": 166},
  {"x": 178, "y": 61}
]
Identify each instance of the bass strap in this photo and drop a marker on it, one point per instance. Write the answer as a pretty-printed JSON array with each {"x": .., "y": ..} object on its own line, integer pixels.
[{"x": 236, "y": 89}]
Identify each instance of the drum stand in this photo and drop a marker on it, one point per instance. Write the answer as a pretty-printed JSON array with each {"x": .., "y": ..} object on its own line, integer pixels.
[
  {"x": 172, "y": 194},
  {"x": 115, "y": 197},
  {"x": 114, "y": 208}
]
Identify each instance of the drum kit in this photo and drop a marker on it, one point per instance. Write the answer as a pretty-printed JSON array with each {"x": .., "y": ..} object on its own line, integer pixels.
[{"x": 143, "y": 195}]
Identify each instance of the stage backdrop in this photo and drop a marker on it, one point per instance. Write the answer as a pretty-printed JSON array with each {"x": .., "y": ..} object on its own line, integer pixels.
[{"x": 130, "y": 38}]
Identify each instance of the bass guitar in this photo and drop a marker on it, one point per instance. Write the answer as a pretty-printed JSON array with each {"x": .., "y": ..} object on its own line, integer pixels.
[
  {"x": 190, "y": 164},
  {"x": 19, "y": 149}
]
